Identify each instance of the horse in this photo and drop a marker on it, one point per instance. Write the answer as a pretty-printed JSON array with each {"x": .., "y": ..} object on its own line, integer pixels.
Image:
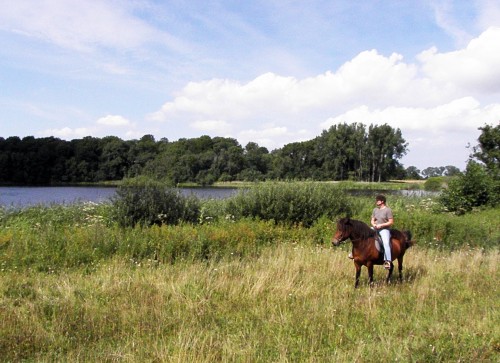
[{"x": 365, "y": 252}]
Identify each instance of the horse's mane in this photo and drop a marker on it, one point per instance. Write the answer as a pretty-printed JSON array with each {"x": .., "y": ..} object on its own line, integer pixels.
[{"x": 358, "y": 228}]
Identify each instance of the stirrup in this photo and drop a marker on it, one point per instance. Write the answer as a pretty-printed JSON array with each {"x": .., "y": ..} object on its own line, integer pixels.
[
  {"x": 387, "y": 265},
  {"x": 350, "y": 256}
]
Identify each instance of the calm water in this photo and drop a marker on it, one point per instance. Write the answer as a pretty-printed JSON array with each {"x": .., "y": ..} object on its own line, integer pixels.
[{"x": 27, "y": 196}]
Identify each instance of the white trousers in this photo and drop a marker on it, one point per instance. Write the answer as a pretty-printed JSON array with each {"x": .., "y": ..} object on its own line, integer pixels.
[{"x": 385, "y": 234}]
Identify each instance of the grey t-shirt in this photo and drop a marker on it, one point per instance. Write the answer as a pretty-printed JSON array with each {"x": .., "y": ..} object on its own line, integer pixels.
[{"x": 382, "y": 215}]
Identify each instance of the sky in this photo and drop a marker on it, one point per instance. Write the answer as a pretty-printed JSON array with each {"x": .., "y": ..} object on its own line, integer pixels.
[{"x": 266, "y": 71}]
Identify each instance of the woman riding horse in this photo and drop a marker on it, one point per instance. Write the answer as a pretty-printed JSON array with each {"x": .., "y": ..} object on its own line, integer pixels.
[{"x": 365, "y": 252}]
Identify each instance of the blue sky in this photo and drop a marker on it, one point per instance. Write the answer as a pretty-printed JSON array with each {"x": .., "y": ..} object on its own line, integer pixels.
[{"x": 272, "y": 72}]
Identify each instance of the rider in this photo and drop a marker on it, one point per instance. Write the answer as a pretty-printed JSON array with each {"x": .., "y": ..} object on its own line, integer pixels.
[{"x": 381, "y": 220}]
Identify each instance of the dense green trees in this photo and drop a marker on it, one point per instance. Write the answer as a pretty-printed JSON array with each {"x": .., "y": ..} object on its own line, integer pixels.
[
  {"x": 488, "y": 149},
  {"x": 344, "y": 152},
  {"x": 479, "y": 185}
]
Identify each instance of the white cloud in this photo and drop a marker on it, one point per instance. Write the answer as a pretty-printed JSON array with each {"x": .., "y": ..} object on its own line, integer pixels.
[
  {"x": 113, "y": 120},
  {"x": 216, "y": 126},
  {"x": 273, "y": 137},
  {"x": 443, "y": 13},
  {"x": 474, "y": 68},
  {"x": 463, "y": 114},
  {"x": 68, "y": 132},
  {"x": 489, "y": 13},
  {"x": 108, "y": 125},
  {"x": 440, "y": 95},
  {"x": 370, "y": 79},
  {"x": 264, "y": 97},
  {"x": 80, "y": 25}
]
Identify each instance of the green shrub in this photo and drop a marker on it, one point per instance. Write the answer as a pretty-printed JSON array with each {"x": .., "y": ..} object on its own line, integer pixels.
[
  {"x": 153, "y": 204},
  {"x": 291, "y": 203},
  {"x": 434, "y": 184},
  {"x": 473, "y": 189}
]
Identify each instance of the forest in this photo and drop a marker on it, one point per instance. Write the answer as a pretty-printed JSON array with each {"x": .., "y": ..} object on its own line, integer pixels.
[{"x": 343, "y": 152}]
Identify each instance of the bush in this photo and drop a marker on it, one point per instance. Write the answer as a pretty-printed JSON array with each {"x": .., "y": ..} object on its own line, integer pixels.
[
  {"x": 292, "y": 203},
  {"x": 473, "y": 189},
  {"x": 153, "y": 204},
  {"x": 434, "y": 184}
]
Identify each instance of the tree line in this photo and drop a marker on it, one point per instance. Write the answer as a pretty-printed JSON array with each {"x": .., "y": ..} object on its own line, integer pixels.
[{"x": 343, "y": 152}]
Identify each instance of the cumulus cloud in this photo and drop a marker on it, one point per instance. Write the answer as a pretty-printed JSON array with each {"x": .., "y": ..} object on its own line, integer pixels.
[
  {"x": 68, "y": 132},
  {"x": 440, "y": 94},
  {"x": 113, "y": 120},
  {"x": 472, "y": 68},
  {"x": 216, "y": 126},
  {"x": 455, "y": 115},
  {"x": 104, "y": 126},
  {"x": 489, "y": 13},
  {"x": 370, "y": 79}
]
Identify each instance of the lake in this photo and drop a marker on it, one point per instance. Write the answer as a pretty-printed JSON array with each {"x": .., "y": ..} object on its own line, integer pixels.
[{"x": 28, "y": 196}]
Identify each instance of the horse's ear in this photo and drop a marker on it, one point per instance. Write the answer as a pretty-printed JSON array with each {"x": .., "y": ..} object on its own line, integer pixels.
[
  {"x": 348, "y": 218},
  {"x": 345, "y": 220}
]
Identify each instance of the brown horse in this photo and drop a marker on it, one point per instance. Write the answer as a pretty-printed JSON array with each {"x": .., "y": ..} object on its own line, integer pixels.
[{"x": 365, "y": 252}]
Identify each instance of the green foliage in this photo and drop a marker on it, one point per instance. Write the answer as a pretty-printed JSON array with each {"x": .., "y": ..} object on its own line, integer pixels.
[
  {"x": 445, "y": 231},
  {"x": 474, "y": 189},
  {"x": 153, "y": 204},
  {"x": 51, "y": 248},
  {"x": 488, "y": 150},
  {"x": 435, "y": 183},
  {"x": 288, "y": 202}
]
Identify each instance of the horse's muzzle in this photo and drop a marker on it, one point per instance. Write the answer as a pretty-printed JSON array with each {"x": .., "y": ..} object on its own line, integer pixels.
[{"x": 336, "y": 242}]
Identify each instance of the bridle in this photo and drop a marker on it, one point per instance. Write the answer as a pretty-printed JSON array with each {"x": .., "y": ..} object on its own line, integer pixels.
[{"x": 338, "y": 241}]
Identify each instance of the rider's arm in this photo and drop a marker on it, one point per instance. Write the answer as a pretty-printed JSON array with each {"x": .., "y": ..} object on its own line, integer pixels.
[{"x": 387, "y": 224}]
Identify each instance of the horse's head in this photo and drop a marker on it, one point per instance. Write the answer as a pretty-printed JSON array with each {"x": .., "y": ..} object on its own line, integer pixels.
[{"x": 343, "y": 231}]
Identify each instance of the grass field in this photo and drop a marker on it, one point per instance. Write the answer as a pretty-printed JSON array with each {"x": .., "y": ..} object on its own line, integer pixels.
[
  {"x": 76, "y": 286},
  {"x": 293, "y": 303}
]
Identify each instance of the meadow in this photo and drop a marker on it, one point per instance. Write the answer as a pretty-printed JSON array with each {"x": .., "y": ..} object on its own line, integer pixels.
[{"x": 76, "y": 286}]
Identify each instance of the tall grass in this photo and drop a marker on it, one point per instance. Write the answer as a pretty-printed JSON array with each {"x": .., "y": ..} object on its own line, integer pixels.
[
  {"x": 292, "y": 303},
  {"x": 51, "y": 239},
  {"x": 77, "y": 286}
]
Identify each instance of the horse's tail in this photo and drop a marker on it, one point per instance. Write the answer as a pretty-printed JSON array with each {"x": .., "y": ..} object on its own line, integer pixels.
[{"x": 409, "y": 242}]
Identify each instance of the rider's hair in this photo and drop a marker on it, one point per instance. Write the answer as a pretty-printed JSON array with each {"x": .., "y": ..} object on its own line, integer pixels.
[{"x": 380, "y": 197}]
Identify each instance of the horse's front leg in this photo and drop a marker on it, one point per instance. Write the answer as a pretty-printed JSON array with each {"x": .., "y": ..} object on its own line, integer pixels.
[
  {"x": 389, "y": 273},
  {"x": 400, "y": 268},
  {"x": 358, "y": 273},
  {"x": 369, "y": 266}
]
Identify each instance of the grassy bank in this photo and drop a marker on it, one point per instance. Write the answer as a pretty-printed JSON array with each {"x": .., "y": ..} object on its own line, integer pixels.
[{"x": 292, "y": 303}]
